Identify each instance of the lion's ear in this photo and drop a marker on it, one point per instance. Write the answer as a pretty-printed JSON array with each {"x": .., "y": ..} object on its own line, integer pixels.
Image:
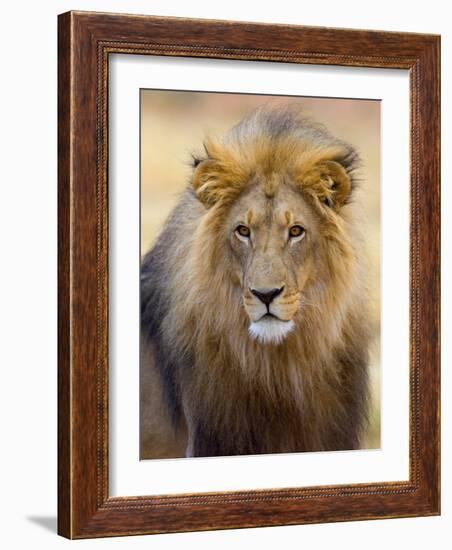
[
  {"x": 205, "y": 181},
  {"x": 218, "y": 176},
  {"x": 330, "y": 182}
]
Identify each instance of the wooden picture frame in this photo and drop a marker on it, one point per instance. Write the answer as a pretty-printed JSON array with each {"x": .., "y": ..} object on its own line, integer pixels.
[{"x": 85, "y": 42}]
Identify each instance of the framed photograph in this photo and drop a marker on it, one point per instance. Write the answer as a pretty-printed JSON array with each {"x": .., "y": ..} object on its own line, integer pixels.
[{"x": 248, "y": 275}]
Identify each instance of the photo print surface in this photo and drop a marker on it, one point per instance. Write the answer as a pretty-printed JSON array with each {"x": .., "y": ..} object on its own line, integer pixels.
[{"x": 260, "y": 274}]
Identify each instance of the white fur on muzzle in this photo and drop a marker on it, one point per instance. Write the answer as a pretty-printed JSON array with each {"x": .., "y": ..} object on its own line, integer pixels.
[{"x": 270, "y": 330}]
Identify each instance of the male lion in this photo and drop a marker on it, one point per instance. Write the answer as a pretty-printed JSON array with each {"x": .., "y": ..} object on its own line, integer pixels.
[{"x": 253, "y": 306}]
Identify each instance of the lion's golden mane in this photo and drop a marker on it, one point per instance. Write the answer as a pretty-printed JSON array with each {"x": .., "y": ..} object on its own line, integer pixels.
[{"x": 225, "y": 392}]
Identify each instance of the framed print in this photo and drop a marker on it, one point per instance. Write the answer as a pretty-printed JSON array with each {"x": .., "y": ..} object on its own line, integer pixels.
[{"x": 248, "y": 275}]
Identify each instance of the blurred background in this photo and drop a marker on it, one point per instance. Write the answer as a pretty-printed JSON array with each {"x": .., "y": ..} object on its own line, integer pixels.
[{"x": 174, "y": 125}]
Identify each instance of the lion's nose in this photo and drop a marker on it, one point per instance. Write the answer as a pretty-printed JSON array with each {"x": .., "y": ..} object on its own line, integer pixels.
[{"x": 267, "y": 296}]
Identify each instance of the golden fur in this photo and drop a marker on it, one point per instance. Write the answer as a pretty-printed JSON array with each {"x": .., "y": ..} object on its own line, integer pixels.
[{"x": 232, "y": 393}]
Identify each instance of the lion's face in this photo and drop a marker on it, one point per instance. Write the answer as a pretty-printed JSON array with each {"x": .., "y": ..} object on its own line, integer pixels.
[
  {"x": 272, "y": 240},
  {"x": 277, "y": 202}
]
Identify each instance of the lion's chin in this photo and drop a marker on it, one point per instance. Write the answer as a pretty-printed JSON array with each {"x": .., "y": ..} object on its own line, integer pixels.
[{"x": 270, "y": 330}]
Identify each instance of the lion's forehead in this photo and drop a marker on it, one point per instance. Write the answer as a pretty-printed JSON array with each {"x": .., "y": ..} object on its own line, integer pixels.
[{"x": 283, "y": 209}]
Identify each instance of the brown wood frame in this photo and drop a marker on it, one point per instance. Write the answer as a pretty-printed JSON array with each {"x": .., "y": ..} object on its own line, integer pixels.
[{"x": 85, "y": 41}]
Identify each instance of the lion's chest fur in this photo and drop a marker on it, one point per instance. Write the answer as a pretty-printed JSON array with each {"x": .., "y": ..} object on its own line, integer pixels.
[{"x": 269, "y": 399}]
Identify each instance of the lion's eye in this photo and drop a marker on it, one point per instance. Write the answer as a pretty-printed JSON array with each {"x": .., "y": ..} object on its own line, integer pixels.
[
  {"x": 243, "y": 231},
  {"x": 296, "y": 231}
]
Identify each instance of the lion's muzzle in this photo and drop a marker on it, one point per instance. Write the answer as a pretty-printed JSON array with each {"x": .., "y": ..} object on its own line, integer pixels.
[{"x": 271, "y": 312}]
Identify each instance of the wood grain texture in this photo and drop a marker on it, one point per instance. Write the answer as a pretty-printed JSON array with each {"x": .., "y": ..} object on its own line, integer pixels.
[
  {"x": 64, "y": 295},
  {"x": 85, "y": 42}
]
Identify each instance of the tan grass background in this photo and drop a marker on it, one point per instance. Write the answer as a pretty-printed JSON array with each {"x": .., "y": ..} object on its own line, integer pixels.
[{"x": 173, "y": 126}]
